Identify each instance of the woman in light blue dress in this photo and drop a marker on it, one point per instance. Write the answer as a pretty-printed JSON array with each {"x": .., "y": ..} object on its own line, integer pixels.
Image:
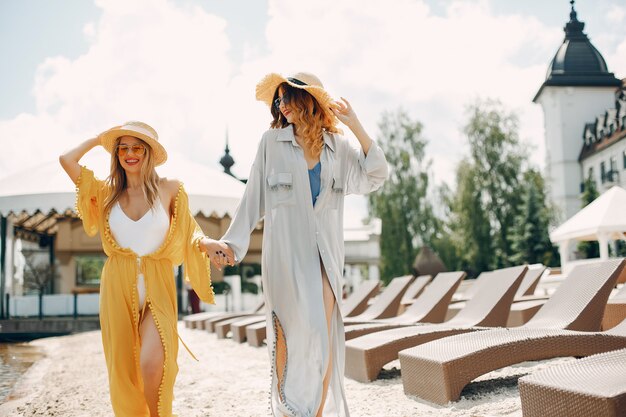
[{"x": 302, "y": 171}]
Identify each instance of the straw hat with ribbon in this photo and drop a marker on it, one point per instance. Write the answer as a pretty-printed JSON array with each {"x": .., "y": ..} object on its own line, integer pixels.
[
  {"x": 138, "y": 130},
  {"x": 266, "y": 88}
]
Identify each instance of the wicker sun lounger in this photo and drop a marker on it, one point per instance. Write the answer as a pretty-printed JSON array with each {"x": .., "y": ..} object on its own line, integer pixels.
[
  {"x": 193, "y": 321},
  {"x": 224, "y": 327},
  {"x": 196, "y": 321},
  {"x": 256, "y": 333},
  {"x": 356, "y": 303},
  {"x": 210, "y": 325},
  {"x": 528, "y": 306},
  {"x": 414, "y": 291},
  {"x": 593, "y": 386},
  {"x": 439, "y": 370},
  {"x": 526, "y": 288},
  {"x": 387, "y": 303},
  {"x": 430, "y": 307},
  {"x": 238, "y": 328},
  {"x": 366, "y": 355}
]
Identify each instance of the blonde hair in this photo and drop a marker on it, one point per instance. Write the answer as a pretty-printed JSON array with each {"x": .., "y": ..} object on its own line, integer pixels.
[
  {"x": 310, "y": 119},
  {"x": 118, "y": 183}
]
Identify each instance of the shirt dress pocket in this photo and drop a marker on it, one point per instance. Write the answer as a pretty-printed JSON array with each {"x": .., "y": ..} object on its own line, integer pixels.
[
  {"x": 337, "y": 192},
  {"x": 280, "y": 186}
]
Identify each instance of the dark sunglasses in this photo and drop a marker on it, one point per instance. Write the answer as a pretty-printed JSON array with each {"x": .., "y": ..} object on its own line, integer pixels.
[{"x": 285, "y": 99}]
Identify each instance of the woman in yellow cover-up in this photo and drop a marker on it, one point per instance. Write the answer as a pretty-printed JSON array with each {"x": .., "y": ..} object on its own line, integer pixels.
[{"x": 146, "y": 229}]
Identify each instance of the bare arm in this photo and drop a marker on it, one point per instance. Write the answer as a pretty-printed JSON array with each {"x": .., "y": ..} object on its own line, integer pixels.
[
  {"x": 217, "y": 252},
  {"x": 69, "y": 160}
]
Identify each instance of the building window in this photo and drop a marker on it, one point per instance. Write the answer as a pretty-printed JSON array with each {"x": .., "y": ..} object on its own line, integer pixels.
[
  {"x": 624, "y": 158},
  {"x": 612, "y": 175},
  {"x": 602, "y": 172},
  {"x": 88, "y": 269}
]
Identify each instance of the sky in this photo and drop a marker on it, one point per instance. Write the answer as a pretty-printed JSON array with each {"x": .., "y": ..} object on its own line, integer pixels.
[{"x": 73, "y": 68}]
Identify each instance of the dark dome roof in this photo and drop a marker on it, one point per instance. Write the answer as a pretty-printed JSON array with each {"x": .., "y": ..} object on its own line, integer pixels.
[
  {"x": 578, "y": 62},
  {"x": 227, "y": 161}
]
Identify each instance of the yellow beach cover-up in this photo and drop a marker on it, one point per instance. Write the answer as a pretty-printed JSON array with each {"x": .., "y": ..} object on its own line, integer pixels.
[{"x": 119, "y": 300}]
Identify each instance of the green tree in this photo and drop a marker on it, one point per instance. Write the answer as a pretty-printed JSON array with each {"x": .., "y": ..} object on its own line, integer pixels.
[
  {"x": 442, "y": 242},
  {"x": 530, "y": 239},
  {"x": 488, "y": 197},
  {"x": 407, "y": 214},
  {"x": 469, "y": 222},
  {"x": 589, "y": 249}
]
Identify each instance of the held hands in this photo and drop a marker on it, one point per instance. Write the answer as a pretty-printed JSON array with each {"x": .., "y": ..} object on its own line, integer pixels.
[
  {"x": 218, "y": 252},
  {"x": 344, "y": 112}
]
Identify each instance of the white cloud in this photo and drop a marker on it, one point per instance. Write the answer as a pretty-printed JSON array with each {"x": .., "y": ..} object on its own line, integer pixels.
[
  {"x": 616, "y": 14},
  {"x": 148, "y": 60},
  {"x": 400, "y": 54}
]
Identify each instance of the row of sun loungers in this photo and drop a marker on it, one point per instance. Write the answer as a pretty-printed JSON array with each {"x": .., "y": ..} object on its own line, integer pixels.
[
  {"x": 560, "y": 328},
  {"x": 438, "y": 359}
]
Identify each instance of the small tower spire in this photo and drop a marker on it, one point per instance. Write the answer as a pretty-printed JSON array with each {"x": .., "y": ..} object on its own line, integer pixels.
[
  {"x": 574, "y": 28},
  {"x": 227, "y": 161}
]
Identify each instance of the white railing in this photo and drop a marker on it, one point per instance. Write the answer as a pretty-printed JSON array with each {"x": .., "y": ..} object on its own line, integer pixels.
[
  {"x": 88, "y": 304},
  {"x": 54, "y": 305}
]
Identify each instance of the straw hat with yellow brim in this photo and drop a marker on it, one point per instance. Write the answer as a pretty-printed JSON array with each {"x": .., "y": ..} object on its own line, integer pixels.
[
  {"x": 138, "y": 130},
  {"x": 266, "y": 88}
]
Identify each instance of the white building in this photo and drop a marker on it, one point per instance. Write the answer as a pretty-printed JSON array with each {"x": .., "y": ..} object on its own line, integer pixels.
[{"x": 584, "y": 109}]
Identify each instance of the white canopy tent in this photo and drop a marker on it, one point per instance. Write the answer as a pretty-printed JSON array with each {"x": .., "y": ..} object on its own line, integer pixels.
[
  {"x": 46, "y": 187},
  {"x": 603, "y": 220}
]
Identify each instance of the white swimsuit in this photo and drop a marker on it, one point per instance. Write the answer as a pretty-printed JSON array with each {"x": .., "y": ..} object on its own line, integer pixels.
[{"x": 143, "y": 236}]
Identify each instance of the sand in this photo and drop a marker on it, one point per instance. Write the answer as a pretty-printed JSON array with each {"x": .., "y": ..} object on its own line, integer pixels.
[{"x": 233, "y": 380}]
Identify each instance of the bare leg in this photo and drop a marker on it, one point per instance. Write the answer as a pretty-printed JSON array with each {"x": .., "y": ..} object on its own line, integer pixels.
[
  {"x": 329, "y": 306},
  {"x": 281, "y": 356},
  {"x": 151, "y": 360}
]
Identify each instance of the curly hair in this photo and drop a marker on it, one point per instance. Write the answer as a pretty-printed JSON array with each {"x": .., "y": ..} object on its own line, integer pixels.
[{"x": 310, "y": 119}]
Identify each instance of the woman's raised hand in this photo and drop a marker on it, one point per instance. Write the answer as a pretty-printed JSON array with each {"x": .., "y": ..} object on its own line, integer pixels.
[{"x": 344, "y": 112}]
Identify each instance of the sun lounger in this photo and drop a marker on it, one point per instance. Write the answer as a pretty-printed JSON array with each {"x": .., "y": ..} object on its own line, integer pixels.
[
  {"x": 439, "y": 370},
  {"x": 387, "y": 303},
  {"x": 224, "y": 327},
  {"x": 256, "y": 333},
  {"x": 196, "y": 321},
  {"x": 356, "y": 303},
  {"x": 238, "y": 329},
  {"x": 414, "y": 291},
  {"x": 366, "y": 355},
  {"x": 430, "y": 307},
  {"x": 210, "y": 324},
  {"x": 593, "y": 386},
  {"x": 526, "y": 289},
  {"x": 524, "y": 309}
]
